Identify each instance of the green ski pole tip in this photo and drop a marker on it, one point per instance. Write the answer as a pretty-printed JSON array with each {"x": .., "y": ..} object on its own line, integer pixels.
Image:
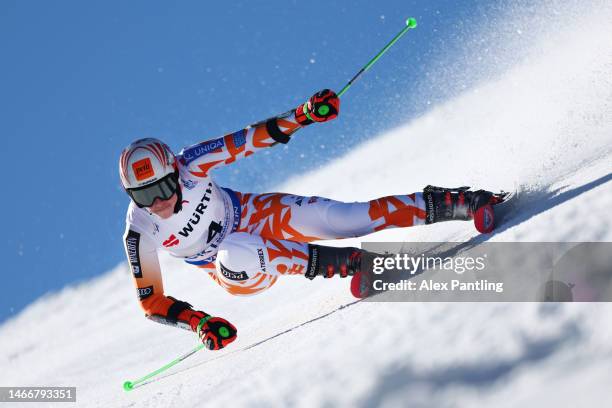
[
  {"x": 128, "y": 386},
  {"x": 411, "y": 22}
]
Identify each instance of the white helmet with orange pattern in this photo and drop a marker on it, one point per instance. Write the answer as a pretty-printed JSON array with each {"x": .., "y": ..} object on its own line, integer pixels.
[{"x": 148, "y": 170}]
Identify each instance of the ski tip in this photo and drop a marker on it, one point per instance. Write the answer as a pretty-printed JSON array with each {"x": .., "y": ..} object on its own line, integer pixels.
[
  {"x": 484, "y": 219},
  {"x": 128, "y": 386}
]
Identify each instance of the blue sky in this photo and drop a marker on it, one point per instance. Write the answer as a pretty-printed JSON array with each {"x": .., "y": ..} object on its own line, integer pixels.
[{"x": 80, "y": 80}]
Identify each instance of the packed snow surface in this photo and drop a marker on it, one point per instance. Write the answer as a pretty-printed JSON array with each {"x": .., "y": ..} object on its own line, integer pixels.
[{"x": 544, "y": 126}]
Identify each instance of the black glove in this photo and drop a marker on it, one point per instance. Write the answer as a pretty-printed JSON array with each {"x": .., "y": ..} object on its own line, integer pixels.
[{"x": 321, "y": 107}]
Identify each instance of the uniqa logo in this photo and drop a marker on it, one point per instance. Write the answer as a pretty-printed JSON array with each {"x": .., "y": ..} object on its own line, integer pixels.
[{"x": 202, "y": 149}]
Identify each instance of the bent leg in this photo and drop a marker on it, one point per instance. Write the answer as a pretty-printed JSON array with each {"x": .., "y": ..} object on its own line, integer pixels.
[
  {"x": 306, "y": 219},
  {"x": 247, "y": 264}
]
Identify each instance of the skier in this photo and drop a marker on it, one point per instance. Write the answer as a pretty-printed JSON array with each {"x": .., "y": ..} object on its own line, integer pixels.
[{"x": 246, "y": 241}]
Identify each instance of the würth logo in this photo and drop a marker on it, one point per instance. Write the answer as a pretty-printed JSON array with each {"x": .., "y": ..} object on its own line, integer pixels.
[
  {"x": 171, "y": 241},
  {"x": 199, "y": 211},
  {"x": 143, "y": 169}
]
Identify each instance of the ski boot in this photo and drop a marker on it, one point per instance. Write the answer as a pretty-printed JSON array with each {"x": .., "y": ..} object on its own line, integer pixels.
[
  {"x": 348, "y": 261},
  {"x": 446, "y": 204}
]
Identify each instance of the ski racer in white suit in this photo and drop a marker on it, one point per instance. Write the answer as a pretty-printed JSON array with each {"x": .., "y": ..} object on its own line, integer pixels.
[{"x": 246, "y": 241}]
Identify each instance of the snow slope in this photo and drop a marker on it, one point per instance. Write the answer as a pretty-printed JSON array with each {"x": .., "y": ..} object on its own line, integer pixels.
[{"x": 544, "y": 125}]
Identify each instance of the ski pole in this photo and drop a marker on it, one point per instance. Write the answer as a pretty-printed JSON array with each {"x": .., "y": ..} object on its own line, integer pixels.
[
  {"x": 129, "y": 385},
  {"x": 410, "y": 23}
]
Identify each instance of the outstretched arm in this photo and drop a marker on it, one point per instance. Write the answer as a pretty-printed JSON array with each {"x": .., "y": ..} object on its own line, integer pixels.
[{"x": 202, "y": 157}]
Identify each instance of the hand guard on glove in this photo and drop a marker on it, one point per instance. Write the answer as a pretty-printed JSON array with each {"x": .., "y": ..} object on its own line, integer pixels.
[
  {"x": 214, "y": 332},
  {"x": 321, "y": 107}
]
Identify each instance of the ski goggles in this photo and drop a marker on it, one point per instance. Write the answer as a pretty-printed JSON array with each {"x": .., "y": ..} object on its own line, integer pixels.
[{"x": 163, "y": 189}]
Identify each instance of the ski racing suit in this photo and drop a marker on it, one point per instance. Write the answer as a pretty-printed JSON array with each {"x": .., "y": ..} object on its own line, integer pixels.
[{"x": 245, "y": 241}]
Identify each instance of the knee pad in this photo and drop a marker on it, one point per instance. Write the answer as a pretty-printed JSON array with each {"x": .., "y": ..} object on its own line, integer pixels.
[{"x": 241, "y": 266}]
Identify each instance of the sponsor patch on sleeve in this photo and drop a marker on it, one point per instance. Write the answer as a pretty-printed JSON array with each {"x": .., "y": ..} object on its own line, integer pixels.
[
  {"x": 199, "y": 150},
  {"x": 239, "y": 138},
  {"x": 145, "y": 292},
  {"x": 132, "y": 242}
]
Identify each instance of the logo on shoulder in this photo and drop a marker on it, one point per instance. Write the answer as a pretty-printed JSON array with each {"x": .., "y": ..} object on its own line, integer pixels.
[
  {"x": 201, "y": 149},
  {"x": 189, "y": 184}
]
